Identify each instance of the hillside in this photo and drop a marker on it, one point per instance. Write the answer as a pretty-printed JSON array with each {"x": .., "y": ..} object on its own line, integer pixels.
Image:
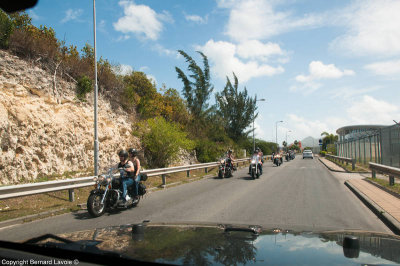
[
  {"x": 310, "y": 142},
  {"x": 45, "y": 131}
]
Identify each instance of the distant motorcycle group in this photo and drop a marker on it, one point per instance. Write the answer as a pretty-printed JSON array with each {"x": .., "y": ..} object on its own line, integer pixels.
[{"x": 278, "y": 158}]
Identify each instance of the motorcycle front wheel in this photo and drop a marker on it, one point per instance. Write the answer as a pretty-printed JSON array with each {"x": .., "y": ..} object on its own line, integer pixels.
[
  {"x": 135, "y": 203},
  {"x": 94, "y": 206}
]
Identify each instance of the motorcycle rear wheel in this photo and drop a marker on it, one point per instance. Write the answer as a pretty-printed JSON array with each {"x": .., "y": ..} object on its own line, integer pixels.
[
  {"x": 94, "y": 206},
  {"x": 220, "y": 175}
]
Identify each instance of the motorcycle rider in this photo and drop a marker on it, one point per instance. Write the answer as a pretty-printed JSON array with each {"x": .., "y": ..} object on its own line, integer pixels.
[
  {"x": 231, "y": 160},
  {"x": 133, "y": 157},
  {"x": 261, "y": 154},
  {"x": 126, "y": 169}
]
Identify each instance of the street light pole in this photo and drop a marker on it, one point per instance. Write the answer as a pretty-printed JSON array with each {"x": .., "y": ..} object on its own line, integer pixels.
[
  {"x": 96, "y": 139},
  {"x": 276, "y": 133},
  {"x": 254, "y": 140}
]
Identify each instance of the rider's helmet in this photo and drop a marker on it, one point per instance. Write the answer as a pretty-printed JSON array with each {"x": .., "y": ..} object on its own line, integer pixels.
[
  {"x": 256, "y": 151},
  {"x": 230, "y": 151},
  {"x": 123, "y": 153},
  {"x": 133, "y": 152}
]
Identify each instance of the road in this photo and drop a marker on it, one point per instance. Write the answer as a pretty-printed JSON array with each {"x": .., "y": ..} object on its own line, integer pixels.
[{"x": 298, "y": 195}]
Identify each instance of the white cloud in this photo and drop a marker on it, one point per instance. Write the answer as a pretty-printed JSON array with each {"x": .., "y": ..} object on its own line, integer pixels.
[
  {"x": 164, "y": 51},
  {"x": 72, "y": 14},
  {"x": 302, "y": 128},
  {"x": 385, "y": 68},
  {"x": 224, "y": 61},
  {"x": 258, "y": 19},
  {"x": 123, "y": 69},
  {"x": 369, "y": 110},
  {"x": 255, "y": 49},
  {"x": 373, "y": 28},
  {"x": 349, "y": 92},
  {"x": 319, "y": 71},
  {"x": 306, "y": 88},
  {"x": 152, "y": 78},
  {"x": 141, "y": 20},
  {"x": 196, "y": 18}
]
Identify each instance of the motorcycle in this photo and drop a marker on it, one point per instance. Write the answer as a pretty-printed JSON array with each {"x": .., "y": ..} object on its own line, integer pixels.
[
  {"x": 255, "y": 168},
  {"x": 225, "y": 169},
  {"x": 278, "y": 160},
  {"x": 108, "y": 193}
]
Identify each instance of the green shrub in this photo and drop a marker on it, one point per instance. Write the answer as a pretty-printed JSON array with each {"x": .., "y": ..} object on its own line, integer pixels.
[
  {"x": 323, "y": 153},
  {"x": 209, "y": 151},
  {"x": 83, "y": 87},
  {"x": 162, "y": 141},
  {"x": 6, "y": 27}
]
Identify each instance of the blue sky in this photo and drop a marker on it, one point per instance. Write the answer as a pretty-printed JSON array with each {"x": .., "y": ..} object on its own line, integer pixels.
[{"x": 320, "y": 65}]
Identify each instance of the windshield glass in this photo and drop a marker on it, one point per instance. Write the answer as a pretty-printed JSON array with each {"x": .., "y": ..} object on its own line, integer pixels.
[{"x": 163, "y": 91}]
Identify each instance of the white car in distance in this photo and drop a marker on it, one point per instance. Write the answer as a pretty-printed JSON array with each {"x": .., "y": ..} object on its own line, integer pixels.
[{"x": 308, "y": 154}]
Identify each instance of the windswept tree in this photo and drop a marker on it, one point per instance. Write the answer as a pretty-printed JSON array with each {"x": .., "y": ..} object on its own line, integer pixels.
[
  {"x": 198, "y": 88},
  {"x": 236, "y": 109},
  {"x": 327, "y": 142}
]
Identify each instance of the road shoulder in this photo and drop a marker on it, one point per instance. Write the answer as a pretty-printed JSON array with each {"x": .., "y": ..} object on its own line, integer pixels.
[{"x": 383, "y": 204}]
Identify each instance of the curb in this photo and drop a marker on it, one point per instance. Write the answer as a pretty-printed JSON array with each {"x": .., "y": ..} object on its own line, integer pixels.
[
  {"x": 333, "y": 170},
  {"x": 385, "y": 217},
  {"x": 21, "y": 220}
]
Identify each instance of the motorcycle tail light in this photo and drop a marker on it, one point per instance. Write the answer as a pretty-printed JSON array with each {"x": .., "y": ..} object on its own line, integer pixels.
[{"x": 109, "y": 186}]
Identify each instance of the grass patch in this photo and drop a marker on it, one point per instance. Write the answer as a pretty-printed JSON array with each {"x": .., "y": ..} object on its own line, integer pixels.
[
  {"x": 23, "y": 206},
  {"x": 348, "y": 167},
  {"x": 385, "y": 183}
]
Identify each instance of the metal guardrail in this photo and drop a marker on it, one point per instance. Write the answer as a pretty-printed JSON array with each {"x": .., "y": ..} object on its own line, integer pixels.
[
  {"x": 384, "y": 169},
  {"x": 343, "y": 160},
  {"x": 13, "y": 191}
]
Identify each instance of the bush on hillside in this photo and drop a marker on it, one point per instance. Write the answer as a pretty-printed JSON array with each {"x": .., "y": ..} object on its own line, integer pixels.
[
  {"x": 83, "y": 87},
  {"x": 162, "y": 141}
]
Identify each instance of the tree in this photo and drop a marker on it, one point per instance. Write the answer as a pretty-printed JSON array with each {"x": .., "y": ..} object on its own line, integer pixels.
[
  {"x": 162, "y": 141},
  {"x": 328, "y": 141},
  {"x": 196, "y": 91},
  {"x": 6, "y": 27},
  {"x": 284, "y": 143},
  {"x": 236, "y": 109}
]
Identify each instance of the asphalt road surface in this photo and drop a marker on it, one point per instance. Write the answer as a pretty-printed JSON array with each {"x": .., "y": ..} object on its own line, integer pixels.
[{"x": 299, "y": 195}]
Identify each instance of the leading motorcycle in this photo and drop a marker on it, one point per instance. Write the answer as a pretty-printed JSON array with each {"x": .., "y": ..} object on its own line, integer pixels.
[{"x": 108, "y": 193}]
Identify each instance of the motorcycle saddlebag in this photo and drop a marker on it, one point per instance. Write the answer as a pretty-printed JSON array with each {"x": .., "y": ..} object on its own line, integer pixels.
[
  {"x": 143, "y": 177},
  {"x": 142, "y": 189}
]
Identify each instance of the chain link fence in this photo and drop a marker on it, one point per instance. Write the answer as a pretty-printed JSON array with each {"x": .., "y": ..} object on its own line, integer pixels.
[{"x": 380, "y": 146}]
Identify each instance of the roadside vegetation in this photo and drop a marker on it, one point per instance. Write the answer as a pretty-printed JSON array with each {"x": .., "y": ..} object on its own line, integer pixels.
[
  {"x": 385, "y": 183},
  {"x": 164, "y": 118}
]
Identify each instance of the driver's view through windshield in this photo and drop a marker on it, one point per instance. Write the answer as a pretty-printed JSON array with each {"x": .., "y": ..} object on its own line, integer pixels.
[{"x": 200, "y": 132}]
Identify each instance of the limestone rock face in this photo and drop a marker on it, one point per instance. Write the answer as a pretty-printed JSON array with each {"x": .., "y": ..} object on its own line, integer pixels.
[{"x": 45, "y": 131}]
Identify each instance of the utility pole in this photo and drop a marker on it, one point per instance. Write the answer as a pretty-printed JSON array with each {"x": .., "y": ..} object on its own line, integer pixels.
[{"x": 96, "y": 137}]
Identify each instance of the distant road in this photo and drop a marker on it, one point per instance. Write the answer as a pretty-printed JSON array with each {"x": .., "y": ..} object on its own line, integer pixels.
[{"x": 299, "y": 195}]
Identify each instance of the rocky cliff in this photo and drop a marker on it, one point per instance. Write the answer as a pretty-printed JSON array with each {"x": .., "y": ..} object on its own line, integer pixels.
[{"x": 45, "y": 130}]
